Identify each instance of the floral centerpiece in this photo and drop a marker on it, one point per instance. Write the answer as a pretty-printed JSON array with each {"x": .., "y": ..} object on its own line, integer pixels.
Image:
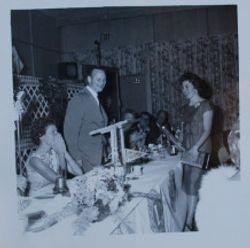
[{"x": 93, "y": 196}]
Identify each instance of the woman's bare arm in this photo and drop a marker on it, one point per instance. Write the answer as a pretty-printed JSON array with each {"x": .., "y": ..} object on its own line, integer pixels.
[
  {"x": 207, "y": 126},
  {"x": 72, "y": 166},
  {"x": 43, "y": 170}
]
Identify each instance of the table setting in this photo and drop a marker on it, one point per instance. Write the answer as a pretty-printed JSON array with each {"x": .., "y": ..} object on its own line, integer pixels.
[
  {"x": 122, "y": 197},
  {"x": 101, "y": 199}
]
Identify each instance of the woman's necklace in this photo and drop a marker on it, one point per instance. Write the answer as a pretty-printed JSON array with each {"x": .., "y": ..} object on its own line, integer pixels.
[
  {"x": 49, "y": 158},
  {"x": 45, "y": 156}
]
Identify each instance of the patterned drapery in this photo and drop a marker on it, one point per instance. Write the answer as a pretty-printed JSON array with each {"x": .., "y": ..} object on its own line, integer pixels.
[{"x": 213, "y": 58}]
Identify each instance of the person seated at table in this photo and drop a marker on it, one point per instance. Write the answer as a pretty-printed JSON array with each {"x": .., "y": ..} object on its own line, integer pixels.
[
  {"x": 161, "y": 121},
  {"x": 130, "y": 116},
  {"x": 129, "y": 128},
  {"x": 138, "y": 137},
  {"x": 141, "y": 131},
  {"x": 50, "y": 159}
]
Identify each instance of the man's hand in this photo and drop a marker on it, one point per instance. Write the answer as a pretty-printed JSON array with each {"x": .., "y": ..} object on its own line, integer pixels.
[{"x": 79, "y": 162}]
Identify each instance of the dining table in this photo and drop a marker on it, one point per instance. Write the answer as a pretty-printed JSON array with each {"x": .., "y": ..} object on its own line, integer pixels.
[{"x": 155, "y": 203}]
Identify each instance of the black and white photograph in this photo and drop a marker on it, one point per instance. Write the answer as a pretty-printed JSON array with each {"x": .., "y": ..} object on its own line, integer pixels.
[{"x": 126, "y": 120}]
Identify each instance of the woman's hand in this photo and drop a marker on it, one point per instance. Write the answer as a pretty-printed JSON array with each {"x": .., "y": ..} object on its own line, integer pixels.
[
  {"x": 59, "y": 144},
  {"x": 74, "y": 167},
  {"x": 60, "y": 148},
  {"x": 194, "y": 152}
]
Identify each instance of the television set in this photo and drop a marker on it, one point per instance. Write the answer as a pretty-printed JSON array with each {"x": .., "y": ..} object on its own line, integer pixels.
[{"x": 67, "y": 70}]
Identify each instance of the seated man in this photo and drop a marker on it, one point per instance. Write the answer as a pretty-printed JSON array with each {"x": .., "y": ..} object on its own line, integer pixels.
[
  {"x": 138, "y": 137},
  {"x": 130, "y": 127},
  {"x": 161, "y": 122}
]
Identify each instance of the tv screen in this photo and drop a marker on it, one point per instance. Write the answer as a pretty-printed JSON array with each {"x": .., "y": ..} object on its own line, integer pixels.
[{"x": 67, "y": 70}]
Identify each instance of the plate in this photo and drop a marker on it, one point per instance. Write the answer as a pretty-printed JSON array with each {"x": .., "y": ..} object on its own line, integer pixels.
[{"x": 42, "y": 197}]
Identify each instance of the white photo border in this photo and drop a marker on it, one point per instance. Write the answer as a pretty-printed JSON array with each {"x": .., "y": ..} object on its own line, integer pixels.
[{"x": 10, "y": 231}]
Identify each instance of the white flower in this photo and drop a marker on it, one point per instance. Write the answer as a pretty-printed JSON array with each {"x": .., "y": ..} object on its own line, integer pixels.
[{"x": 97, "y": 186}]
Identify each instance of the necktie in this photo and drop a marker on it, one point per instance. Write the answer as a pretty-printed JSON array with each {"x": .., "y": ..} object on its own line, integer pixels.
[{"x": 102, "y": 114}]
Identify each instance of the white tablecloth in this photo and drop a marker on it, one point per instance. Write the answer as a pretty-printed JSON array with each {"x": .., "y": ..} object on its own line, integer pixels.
[{"x": 144, "y": 213}]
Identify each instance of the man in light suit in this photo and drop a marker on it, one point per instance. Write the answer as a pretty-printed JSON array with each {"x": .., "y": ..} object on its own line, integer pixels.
[{"x": 85, "y": 114}]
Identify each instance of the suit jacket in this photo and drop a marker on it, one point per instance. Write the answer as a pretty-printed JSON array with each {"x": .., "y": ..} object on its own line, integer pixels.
[{"x": 84, "y": 115}]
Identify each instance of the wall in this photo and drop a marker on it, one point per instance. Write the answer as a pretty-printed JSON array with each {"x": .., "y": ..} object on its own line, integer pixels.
[
  {"x": 178, "y": 25},
  {"x": 36, "y": 39},
  {"x": 41, "y": 44},
  {"x": 122, "y": 32},
  {"x": 195, "y": 23}
]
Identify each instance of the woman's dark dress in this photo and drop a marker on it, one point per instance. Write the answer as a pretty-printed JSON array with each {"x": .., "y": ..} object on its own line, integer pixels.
[{"x": 193, "y": 129}]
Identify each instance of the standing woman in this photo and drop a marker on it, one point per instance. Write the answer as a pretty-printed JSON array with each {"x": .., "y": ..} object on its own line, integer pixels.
[{"x": 198, "y": 118}]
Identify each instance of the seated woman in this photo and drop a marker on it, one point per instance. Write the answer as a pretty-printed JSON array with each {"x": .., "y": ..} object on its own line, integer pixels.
[{"x": 50, "y": 159}]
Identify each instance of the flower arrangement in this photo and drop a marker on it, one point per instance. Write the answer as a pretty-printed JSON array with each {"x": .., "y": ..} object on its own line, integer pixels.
[{"x": 94, "y": 196}]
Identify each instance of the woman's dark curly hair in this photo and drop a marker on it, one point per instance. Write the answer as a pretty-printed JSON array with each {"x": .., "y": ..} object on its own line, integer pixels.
[
  {"x": 38, "y": 128},
  {"x": 195, "y": 80}
]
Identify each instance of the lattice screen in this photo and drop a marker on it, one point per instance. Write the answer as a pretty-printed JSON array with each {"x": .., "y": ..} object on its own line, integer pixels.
[
  {"x": 40, "y": 108},
  {"x": 72, "y": 89},
  {"x": 33, "y": 96}
]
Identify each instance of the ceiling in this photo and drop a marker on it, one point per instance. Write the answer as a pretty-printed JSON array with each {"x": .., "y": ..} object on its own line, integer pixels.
[{"x": 71, "y": 16}]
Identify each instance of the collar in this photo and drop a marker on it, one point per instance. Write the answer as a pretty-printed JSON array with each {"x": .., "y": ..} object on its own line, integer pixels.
[{"x": 93, "y": 93}]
